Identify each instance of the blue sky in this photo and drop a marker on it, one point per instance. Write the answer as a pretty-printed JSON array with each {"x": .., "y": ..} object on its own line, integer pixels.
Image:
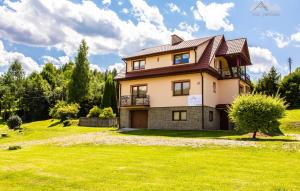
[{"x": 39, "y": 31}]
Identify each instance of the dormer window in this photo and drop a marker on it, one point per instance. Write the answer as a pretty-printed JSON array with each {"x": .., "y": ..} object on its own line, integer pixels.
[
  {"x": 138, "y": 64},
  {"x": 182, "y": 58}
]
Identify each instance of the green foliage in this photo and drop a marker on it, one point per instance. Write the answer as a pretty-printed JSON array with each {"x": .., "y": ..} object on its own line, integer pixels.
[
  {"x": 94, "y": 112},
  {"x": 50, "y": 74},
  {"x": 107, "y": 113},
  {"x": 109, "y": 95},
  {"x": 67, "y": 123},
  {"x": 290, "y": 89},
  {"x": 257, "y": 112},
  {"x": 35, "y": 101},
  {"x": 269, "y": 83},
  {"x": 64, "y": 111},
  {"x": 14, "y": 147},
  {"x": 14, "y": 122},
  {"x": 79, "y": 84}
]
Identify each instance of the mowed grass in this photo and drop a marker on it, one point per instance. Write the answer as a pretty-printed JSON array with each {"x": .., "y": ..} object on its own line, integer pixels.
[
  {"x": 44, "y": 130},
  {"x": 92, "y": 168},
  {"x": 291, "y": 122}
]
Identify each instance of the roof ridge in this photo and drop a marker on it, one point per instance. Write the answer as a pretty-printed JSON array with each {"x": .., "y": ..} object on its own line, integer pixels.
[{"x": 244, "y": 38}]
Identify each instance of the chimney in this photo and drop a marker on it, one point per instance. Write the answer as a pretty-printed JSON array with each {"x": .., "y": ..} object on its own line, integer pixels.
[{"x": 176, "y": 39}]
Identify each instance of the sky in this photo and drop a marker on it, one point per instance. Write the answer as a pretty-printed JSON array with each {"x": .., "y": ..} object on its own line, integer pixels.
[{"x": 39, "y": 31}]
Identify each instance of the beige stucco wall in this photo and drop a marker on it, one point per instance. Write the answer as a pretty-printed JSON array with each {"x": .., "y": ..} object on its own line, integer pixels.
[
  {"x": 160, "y": 89},
  {"x": 242, "y": 83},
  {"x": 163, "y": 60},
  {"x": 210, "y": 97},
  {"x": 228, "y": 90}
]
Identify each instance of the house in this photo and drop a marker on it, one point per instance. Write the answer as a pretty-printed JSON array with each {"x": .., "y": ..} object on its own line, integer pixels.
[{"x": 183, "y": 85}]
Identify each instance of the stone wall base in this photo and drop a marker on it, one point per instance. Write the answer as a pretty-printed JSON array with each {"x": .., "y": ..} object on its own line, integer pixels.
[{"x": 161, "y": 118}]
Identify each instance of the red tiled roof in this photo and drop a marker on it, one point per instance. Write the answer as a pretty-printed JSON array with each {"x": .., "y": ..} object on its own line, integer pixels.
[
  {"x": 232, "y": 47},
  {"x": 168, "y": 47}
]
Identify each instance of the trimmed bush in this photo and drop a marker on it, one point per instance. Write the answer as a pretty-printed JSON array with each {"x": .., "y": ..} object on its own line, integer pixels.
[
  {"x": 107, "y": 113},
  {"x": 94, "y": 112},
  {"x": 256, "y": 112},
  {"x": 14, "y": 147},
  {"x": 64, "y": 111},
  {"x": 14, "y": 122}
]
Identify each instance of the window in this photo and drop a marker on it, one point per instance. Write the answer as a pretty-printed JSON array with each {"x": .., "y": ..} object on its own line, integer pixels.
[
  {"x": 241, "y": 89},
  {"x": 211, "y": 116},
  {"x": 182, "y": 58},
  {"x": 179, "y": 116},
  {"x": 214, "y": 87},
  {"x": 139, "y": 65},
  {"x": 139, "y": 91},
  {"x": 216, "y": 62},
  {"x": 181, "y": 88}
]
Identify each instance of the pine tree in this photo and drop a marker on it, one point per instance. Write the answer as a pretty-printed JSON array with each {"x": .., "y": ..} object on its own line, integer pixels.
[
  {"x": 79, "y": 84},
  {"x": 109, "y": 96},
  {"x": 269, "y": 83}
]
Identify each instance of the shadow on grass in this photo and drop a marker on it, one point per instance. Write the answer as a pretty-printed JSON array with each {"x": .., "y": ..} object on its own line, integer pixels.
[
  {"x": 185, "y": 133},
  {"x": 265, "y": 139},
  {"x": 54, "y": 124},
  {"x": 2, "y": 122}
]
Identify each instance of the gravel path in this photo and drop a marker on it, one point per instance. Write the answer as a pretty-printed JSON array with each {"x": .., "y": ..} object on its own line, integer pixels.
[
  {"x": 297, "y": 136},
  {"x": 107, "y": 138}
]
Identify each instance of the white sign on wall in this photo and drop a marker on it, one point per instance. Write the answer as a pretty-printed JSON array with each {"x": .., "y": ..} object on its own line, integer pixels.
[{"x": 195, "y": 100}]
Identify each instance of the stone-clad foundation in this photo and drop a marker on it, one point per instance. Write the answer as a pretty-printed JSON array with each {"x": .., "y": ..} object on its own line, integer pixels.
[{"x": 161, "y": 118}]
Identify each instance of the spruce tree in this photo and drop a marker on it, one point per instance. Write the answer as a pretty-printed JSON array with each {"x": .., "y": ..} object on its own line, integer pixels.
[
  {"x": 79, "y": 84},
  {"x": 109, "y": 95},
  {"x": 269, "y": 83}
]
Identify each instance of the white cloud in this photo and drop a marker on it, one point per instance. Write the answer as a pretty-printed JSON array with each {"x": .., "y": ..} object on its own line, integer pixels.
[
  {"x": 8, "y": 57},
  {"x": 95, "y": 67},
  {"x": 214, "y": 15},
  {"x": 125, "y": 10},
  {"x": 57, "y": 62},
  {"x": 117, "y": 66},
  {"x": 120, "y": 3},
  {"x": 173, "y": 8},
  {"x": 262, "y": 60},
  {"x": 296, "y": 37},
  {"x": 189, "y": 28},
  {"x": 280, "y": 39},
  {"x": 62, "y": 24},
  {"x": 106, "y": 2}
]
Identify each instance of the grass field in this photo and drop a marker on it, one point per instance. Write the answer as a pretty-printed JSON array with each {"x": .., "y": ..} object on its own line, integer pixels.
[{"x": 273, "y": 166}]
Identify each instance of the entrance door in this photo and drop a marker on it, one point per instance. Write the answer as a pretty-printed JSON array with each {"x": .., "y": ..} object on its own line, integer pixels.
[
  {"x": 139, "y": 119},
  {"x": 224, "y": 120}
]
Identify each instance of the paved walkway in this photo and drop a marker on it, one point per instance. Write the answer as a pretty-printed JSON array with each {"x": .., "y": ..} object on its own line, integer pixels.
[{"x": 109, "y": 139}]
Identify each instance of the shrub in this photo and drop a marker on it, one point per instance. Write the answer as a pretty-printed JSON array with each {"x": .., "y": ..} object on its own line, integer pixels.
[
  {"x": 290, "y": 89},
  {"x": 94, "y": 112},
  {"x": 256, "y": 112},
  {"x": 14, "y": 122},
  {"x": 67, "y": 123},
  {"x": 107, "y": 113},
  {"x": 64, "y": 111},
  {"x": 14, "y": 147}
]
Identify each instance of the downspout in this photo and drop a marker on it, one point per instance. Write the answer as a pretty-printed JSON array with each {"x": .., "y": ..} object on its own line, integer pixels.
[
  {"x": 119, "y": 108},
  {"x": 202, "y": 91}
]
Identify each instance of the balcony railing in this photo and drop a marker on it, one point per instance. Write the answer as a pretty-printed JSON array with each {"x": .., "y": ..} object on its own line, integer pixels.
[
  {"x": 131, "y": 100},
  {"x": 227, "y": 75}
]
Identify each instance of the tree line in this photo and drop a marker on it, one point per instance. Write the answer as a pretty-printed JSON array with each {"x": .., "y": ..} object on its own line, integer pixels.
[
  {"x": 287, "y": 87},
  {"x": 32, "y": 96}
]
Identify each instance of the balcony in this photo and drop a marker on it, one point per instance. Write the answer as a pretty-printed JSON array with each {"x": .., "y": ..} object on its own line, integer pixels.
[
  {"x": 131, "y": 100},
  {"x": 226, "y": 74}
]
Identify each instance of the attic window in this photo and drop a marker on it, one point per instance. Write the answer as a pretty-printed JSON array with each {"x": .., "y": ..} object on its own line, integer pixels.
[
  {"x": 139, "y": 65},
  {"x": 182, "y": 58}
]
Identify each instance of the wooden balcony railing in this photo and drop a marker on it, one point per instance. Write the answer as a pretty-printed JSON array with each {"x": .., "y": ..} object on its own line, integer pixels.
[
  {"x": 131, "y": 100},
  {"x": 226, "y": 74}
]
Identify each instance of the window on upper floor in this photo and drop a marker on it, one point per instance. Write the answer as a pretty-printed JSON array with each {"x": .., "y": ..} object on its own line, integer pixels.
[
  {"x": 181, "y": 58},
  {"x": 214, "y": 87},
  {"x": 138, "y": 65},
  {"x": 139, "y": 91},
  {"x": 181, "y": 88}
]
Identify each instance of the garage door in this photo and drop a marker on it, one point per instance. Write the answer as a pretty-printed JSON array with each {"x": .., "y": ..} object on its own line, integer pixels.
[{"x": 139, "y": 119}]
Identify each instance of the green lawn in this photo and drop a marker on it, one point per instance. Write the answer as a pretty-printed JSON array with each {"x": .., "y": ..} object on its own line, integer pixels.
[
  {"x": 273, "y": 166},
  {"x": 291, "y": 122},
  {"x": 89, "y": 167},
  {"x": 44, "y": 130}
]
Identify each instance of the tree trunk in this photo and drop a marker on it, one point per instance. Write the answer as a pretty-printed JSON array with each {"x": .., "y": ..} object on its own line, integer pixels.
[{"x": 254, "y": 135}]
